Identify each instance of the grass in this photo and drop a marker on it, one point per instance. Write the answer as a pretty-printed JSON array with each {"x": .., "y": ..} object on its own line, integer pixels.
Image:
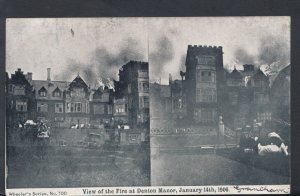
[{"x": 73, "y": 167}]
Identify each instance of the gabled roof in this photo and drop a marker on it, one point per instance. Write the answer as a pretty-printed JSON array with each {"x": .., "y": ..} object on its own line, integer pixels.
[
  {"x": 57, "y": 89},
  {"x": 98, "y": 93},
  {"x": 42, "y": 89},
  {"x": 78, "y": 83},
  {"x": 50, "y": 86},
  {"x": 19, "y": 78},
  {"x": 259, "y": 74},
  {"x": 281, "y": 77},
  {"x": 235, "y": 74}
]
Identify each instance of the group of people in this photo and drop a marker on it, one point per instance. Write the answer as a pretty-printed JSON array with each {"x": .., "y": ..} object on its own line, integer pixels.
[
  {"x": 274, "y": 145},
  {"x": 43, "y": 131}
]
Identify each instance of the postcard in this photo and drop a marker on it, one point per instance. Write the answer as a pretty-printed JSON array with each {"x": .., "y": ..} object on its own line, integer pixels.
[{"x": 148, "y": 106}]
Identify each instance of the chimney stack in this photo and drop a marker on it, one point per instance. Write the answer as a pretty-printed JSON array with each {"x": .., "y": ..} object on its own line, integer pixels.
[
  {"x": 48, "y": 74},
  {"x": 28, "y": 76}
]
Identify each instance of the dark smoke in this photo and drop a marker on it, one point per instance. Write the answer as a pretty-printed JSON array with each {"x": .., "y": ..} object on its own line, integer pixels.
[
  {"x": 182, "y": 63},
  {"x": 273, "y": 51},
  {"x": 161, "y": 54},
  {"x": 274, "y": 54},
  {"x": 73, "y": 68},
  {"x": 106, "y": 64},
  {"x": 243, "y": 57}
]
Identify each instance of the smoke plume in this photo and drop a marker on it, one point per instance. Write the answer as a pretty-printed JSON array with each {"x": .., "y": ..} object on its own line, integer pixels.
[
  {"x": 272, "y": 51},
  {"x": 105, "y": 64},
  {"x": 162, "y": 53},
  {"x": 243, "y": 57},
  {"x": 182, "y": 63}
]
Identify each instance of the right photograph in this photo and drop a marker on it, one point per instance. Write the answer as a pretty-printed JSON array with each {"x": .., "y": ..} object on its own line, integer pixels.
[{"x": 219, "y": 101}]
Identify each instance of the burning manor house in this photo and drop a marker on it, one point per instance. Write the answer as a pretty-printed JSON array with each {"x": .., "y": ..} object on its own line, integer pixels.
[{"x": 65, "y": 104}]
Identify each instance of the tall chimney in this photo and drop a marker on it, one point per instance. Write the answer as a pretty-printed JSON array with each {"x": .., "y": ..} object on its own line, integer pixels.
[
  {"x": 28, "y": 76},
  {"x": 48, "y": 74}
]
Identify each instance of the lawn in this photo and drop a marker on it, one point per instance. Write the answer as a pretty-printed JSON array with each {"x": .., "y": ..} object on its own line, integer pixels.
[{"x": 171, "y": 167}]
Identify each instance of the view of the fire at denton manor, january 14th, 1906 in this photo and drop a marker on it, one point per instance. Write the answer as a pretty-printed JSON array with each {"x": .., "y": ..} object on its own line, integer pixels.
[{"x": 110, "y": 102}]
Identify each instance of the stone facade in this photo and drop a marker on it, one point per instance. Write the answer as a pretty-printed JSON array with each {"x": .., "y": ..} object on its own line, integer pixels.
[
  {"x": 133, "y": 88},
  {"x": 207, "y": 91},
  {"x": 64, "y": 104},
  {"x": 204, "y": 83}
]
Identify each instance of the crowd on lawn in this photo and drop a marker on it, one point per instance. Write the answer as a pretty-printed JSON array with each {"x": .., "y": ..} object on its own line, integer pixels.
[{"x": 274, "y": 145}]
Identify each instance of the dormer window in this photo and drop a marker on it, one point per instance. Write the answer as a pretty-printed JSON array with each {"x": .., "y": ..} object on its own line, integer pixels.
[
  {"x": 43, "y": 92},
  {"x": 56, "y": 93}
]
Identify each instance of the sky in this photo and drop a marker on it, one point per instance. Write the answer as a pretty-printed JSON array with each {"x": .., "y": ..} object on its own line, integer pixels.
[{"x": 98, "y": 47}]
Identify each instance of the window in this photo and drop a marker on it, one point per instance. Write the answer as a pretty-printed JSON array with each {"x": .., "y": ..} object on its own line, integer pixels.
[
  {"x": 129, "y": 88},
  {"x": 68, "y": 106},
  {"x": 144, "y": 87},
  {"x": 58, "y": 119},
  {"x": 234, "y": 82},
  {"x": 19, "y": 90},
  {"x": 206, "y": 76},
  {"x": 58, "y": 108},
  {"x": 120, "y": 108},
  {"x": 97, "y": 95},
  {"x": 77, "y": 107},
  {"x": 144, "y": 102},
  {"x": 207, "y": 115},
  {"x": 204, "y": 115},
  {"x": 86, "y": 109},
  {"x": 233, "y": 97},
  {"x": 42, "y": 107},
  {"x": 21, "y": 106},
  {"x": 56, "y": 93},
  {"x": 133, "y": 136},
  {"x": 42, "y": 93},
  {"x": 205, "y": 60},
  {"x": 198, "y": 95},
  {"x": 109, "y": 109},
  {"x": 206, "y": 95},
  {"x": 264, "y": 116},
  {"x": 78, "y": 92},
  {"x": 259, "y": 83},
  {"x": 142, "y": 74},
  {"x": 146, "y": 117},
  {"x": 259, "y": 98}
]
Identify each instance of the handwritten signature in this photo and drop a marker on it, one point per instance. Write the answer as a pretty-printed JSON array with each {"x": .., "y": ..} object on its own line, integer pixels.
[{"x": 262, "y": 188}]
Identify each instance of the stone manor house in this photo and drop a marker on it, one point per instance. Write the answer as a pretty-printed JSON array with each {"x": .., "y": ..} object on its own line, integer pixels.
[
  {"x": 207, "y": 90},
  {"x": 66, "y": 103}
]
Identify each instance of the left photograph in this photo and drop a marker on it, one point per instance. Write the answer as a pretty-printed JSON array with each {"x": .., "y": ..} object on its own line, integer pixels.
[{"x": 77, "y": 102}]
